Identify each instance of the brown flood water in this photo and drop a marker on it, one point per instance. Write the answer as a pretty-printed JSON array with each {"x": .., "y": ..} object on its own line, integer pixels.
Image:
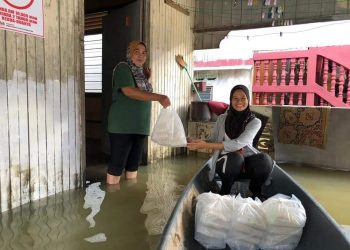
[
  {"x": 132, "y": 215},
  {"x": 129, "y": 216}
]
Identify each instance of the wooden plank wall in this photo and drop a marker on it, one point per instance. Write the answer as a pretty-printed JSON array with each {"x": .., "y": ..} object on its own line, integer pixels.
[
  {"x": 169, "y": 34},
  {"x": 41, "y": 97}
]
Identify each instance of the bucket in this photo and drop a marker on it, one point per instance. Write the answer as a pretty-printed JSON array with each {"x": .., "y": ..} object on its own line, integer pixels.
[{"x": 199, "y": 111}]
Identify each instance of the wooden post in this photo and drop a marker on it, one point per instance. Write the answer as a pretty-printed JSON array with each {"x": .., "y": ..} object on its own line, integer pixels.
[
  {"x": 283, "y": 73},
  {"x": 266, "y": 73},
  {"x": 334, "y": 75},
  {"x": 274, "y": 72},
  {"x": 257, "y": 78},
  {"x": 292, "y": 73},
  {"x": 311, "y": 77},
  {"x": 325, "y": 77},
  {"x": 341, "y": 83},
  {"x": 348, "y": 93}
]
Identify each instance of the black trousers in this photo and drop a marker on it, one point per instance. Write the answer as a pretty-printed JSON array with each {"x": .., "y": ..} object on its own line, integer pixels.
[
  {"x": 233, "y": 166},
  {"x": 126, "y": 151}
]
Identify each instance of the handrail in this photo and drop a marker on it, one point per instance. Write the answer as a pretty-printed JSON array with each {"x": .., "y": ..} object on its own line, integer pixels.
[{"x": 318, "y": 77}]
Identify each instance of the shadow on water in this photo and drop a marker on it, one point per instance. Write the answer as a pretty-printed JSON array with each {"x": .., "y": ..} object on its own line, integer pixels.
[{"x": 130, "y": 215}]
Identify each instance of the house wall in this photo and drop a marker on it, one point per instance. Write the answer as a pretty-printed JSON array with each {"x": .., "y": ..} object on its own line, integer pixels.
[
  {"x": 168, "y": 33},
  {"x": 41, "y": 125},
  {"x": 225, "y": 81},
  {"x": 334, "y": 155}
]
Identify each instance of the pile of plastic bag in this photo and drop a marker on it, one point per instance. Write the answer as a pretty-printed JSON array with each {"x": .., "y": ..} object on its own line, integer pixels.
[{"x": 244, "y": 223}]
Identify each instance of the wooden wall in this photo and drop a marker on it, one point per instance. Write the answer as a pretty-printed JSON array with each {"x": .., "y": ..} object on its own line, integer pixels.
[
  {"x": 41, "y": 96},
  {"x": 168, "y": 33}
]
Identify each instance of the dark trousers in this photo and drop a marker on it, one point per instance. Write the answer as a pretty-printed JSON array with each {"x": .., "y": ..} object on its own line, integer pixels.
[
  {"x": 126, "y": 151},
  {"x": 233, "y": 166}
]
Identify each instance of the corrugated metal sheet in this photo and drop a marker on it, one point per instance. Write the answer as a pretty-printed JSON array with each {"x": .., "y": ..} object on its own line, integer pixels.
[
  {"x": 41, "y": 148},
  {"x": 215, "y": 18},
  {"x": 170, "y": 33}
]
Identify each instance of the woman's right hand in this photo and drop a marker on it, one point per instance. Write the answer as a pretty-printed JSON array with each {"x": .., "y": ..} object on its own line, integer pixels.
[
  {"x": 164, "y": 101},
  {"x": 197, "y": 144},
  {"x": 190, "y": 140}
]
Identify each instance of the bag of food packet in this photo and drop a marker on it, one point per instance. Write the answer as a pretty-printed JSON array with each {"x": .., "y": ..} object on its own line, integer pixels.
[{"x": 168, "y": 130}]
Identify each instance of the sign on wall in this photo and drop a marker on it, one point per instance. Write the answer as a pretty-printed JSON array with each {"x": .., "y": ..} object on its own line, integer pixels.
[{"x": 24, "y": 16}]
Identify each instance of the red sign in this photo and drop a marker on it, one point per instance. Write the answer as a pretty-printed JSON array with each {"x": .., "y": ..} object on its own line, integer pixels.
[
  {"x": 24, "y": 16},
  {"x": 23, "y": 6}
]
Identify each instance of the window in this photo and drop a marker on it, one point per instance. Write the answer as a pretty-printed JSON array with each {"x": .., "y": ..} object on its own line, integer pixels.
[
  {"x": 93, "y": 63},
  {"x": 206, "y": 95}
]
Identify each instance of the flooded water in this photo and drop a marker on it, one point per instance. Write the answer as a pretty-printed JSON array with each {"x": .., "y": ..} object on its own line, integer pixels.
[
  {"x": 133, "y": 214},
  {"x": 329, "y": 187},
  {"x": 129, "y": 216}
]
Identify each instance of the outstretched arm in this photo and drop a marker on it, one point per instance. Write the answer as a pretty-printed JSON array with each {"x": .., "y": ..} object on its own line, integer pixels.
[
  {"x": 140, "y": 95},
  {"x": 200, "y": 144}
]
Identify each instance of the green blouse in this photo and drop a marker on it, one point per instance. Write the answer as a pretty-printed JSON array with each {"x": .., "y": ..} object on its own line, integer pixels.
[{"x": 126, "y": 115}]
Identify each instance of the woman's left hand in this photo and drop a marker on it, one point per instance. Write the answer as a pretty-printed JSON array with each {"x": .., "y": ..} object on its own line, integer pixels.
[{"x": 148, "y": 73}]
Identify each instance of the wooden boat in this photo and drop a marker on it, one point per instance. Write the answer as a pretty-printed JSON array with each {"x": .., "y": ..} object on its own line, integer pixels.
[{"x": 320, "y": 232}]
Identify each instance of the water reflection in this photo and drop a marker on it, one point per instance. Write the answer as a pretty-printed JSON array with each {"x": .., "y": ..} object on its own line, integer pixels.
[
  {"x": 100, "y": 216},
  {"x": 45, "y": 224},
  {"x": 93, "y": 199},
  {"x": 162, "y": 194},
  {"x": 111, "y": 219}
]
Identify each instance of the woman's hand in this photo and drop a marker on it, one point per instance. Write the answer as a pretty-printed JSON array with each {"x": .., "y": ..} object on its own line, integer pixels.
[
  {"x": 197, "y": 144},
  {"x": 148, "y": 73},
  {"x": 164, "y": 101},
  {"x": 201, "y": 144},
  {"x": 189, "y": 139}
]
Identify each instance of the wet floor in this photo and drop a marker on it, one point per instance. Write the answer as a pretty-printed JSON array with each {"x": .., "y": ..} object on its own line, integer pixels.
[{"x": 132, "y": 215}]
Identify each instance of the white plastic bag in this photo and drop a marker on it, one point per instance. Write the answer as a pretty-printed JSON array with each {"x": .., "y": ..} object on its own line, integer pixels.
[
  {"x": 213, "y": 220},
  {"x": 248, "y": 224},
  {"x": 168, "y": 130},
  {"x": 286, "y": 218}
]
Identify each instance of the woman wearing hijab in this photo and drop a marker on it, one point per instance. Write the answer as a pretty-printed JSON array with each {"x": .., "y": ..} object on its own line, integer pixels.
[
  {"x": 235, "y": 130},
  {"x": 129, "y": 114}
]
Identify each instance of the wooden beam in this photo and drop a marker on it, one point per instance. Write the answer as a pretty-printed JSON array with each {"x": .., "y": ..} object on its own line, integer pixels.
[
  {"x": 177, "y": 7},
  {"x": 262, "y": 25}
]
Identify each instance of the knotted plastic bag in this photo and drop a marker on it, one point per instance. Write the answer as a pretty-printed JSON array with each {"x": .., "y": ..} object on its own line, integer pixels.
[
  {"x": 168, "y": 130},
  {"x": 286, "y": 218},
  {"x": 248, "y": 224},
  {"x": 213, "y": 220}
]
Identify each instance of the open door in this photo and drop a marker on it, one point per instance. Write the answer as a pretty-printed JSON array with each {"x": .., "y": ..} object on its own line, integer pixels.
[{"x": 119, "y": 27}]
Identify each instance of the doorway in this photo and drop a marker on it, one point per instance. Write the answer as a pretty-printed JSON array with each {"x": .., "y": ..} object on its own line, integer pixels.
[{"x": 107, "y": 35}]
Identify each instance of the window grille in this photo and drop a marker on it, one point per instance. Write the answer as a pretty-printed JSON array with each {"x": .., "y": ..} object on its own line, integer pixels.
[{"x": 93, "y": 63}]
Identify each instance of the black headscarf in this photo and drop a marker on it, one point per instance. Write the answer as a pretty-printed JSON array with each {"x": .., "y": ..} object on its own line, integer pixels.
[{"x": 236, "y": 121}]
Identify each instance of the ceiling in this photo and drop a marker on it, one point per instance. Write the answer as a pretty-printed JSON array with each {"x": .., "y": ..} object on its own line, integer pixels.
[{"x": 93, "y": 6}]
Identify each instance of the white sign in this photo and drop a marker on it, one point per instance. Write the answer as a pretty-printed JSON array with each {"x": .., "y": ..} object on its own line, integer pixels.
[{"x": 24, "y": 16}]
